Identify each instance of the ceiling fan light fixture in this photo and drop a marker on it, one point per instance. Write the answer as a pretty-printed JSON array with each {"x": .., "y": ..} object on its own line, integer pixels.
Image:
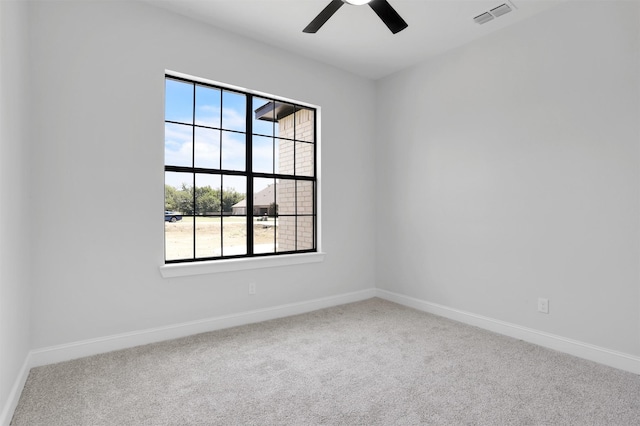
[{"x": 357, "y": 2}]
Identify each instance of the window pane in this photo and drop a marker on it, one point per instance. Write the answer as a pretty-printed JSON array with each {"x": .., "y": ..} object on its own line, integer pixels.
[
  {"x": 286, "y": 191},
  {"x": 262, "y": 152},
  {"x": 178, "y": 204},
  {"x": 286, "y": 236},
  {"x": 178, "y": 101},
  {"x": 304, "y": 198},
  {"x": 178, "y": 238},
  {"x": 234, "y": 205},
  {"x": 208, "y": 194},
  {"x": 264, "y": 197},
  {"x": 263, "y": 117},
  {"x": 304, "y": 125},
  {"x": 304, "y": 159},
  {"x": 284, "y": 124},
  {"x": 235, "y": 189},
  {"x": 264, "y": 235},
  {"x": 207, "y": 153},
  {"x": 265, "y": 211},
  {"x": 208, "y": 202},
  {"x": 207, "y": 106},
  {"x": 284, "y": 157},
  {"x": 233, "y": 195},
  {"x": 234, "y": 235},
  {"x": 233, "y": 111},
  {"x": 177, "y": 192},
  {"x": 305, "y": 233},
  {"x": 178, "y": 145},
  {"x": 208, "y": 236},
  {"x": 233, "y": 151}
]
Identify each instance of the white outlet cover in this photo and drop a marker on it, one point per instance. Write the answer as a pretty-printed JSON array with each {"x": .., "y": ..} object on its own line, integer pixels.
[{"x": 543, "y": 305}]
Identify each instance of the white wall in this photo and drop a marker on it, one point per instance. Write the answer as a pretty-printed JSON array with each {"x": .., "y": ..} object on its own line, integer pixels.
[
  {"x": 98, "y": 82},
  {"x": 513, "y": 170},
  {"x": 15, "y": 291}
]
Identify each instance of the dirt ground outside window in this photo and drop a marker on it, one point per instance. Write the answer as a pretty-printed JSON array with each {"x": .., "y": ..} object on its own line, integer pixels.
[{"x": 179, "y": 236}]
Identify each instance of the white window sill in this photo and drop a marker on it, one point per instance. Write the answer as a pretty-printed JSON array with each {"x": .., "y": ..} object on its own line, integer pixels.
[{"x": 228, "y": 265}]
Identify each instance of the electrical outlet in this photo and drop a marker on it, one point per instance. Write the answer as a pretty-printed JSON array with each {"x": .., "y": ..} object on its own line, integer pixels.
[
  {"x": 252, "y": 288},
  {"x": 543, "y": 305}
]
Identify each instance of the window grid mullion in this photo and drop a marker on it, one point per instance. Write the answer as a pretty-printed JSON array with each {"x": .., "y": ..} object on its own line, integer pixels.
[
  {"x": 249, "y": 171},
  {"x": 221, "y": 215},
  {"x": 275, "y": 187},
  {"x": 221, "y": 178},
  {"x": 193, "y": 163},
  {"x": 295, "y": 186},
  {"x": 315, "y": 182}
]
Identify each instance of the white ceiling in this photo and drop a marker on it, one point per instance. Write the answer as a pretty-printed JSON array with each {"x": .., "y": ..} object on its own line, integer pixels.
[{"x": 355, "y": 39}]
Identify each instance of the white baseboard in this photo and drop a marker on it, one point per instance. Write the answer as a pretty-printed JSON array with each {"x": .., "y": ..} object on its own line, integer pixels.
[
  {"x": 576, "y": 348},
  {"x": 99, "y": 345},
  {"x": 14, "y": 395}
]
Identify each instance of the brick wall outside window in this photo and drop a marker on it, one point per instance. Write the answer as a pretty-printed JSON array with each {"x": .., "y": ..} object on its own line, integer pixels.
[{"x": 296, "y": 196}]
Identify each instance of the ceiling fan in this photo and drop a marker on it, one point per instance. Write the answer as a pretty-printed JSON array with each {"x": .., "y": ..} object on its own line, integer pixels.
[{"x": 381, "y": 7}]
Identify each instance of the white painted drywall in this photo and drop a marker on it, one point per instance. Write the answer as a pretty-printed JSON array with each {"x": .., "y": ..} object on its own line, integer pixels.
[
  {"x": 98, "y": 81},
  {"x": 15, "y": 293},
  {"x": 510, "y": 167}
]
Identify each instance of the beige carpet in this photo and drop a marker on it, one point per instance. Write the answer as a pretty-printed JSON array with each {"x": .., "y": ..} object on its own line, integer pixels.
[{"x": 366, "y": 363}]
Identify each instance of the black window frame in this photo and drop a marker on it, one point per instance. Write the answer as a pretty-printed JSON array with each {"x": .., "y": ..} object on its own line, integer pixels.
[{"x": 248, "y": 173}]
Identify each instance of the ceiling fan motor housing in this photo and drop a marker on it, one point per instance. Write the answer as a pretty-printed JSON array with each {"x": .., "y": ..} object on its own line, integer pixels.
[{"x": 382, "y": 8}]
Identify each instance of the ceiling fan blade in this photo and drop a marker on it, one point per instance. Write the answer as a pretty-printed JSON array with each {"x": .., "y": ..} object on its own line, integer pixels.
[
  {"x": 388, "y": 15},
  {"x": 323, "y": 16}
]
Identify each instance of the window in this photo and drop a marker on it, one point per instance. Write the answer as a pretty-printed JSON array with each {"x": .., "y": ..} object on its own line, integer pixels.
[{"x": 240, "y": 173}]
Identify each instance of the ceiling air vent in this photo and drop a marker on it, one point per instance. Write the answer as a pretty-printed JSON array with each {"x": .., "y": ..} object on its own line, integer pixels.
[
  {"x": 484, "y": 18},
  {"x": 496, "y": 12},
  {"x": 500, "y": 10}
]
